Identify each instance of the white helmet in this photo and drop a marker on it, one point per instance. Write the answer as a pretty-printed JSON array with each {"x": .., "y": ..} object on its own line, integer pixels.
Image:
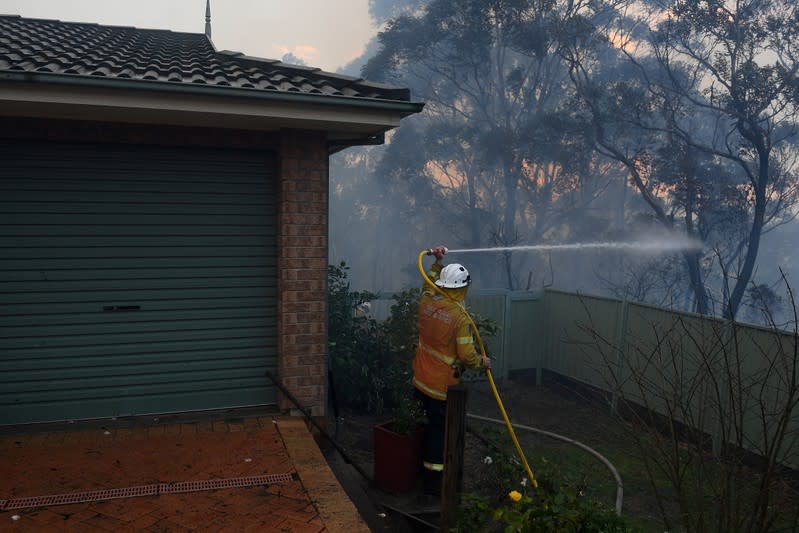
[{"x": 454, "y": 276}]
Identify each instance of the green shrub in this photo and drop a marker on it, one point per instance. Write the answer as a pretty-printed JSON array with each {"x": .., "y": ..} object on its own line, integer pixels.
[
  {"x": 371, "y": 361},
  {"x": 565, "y": 510},
  {"x": 558, "y": 504},
  {"x": 402, "y": 325},
  {"x": 409, "y": 416},
  {"x": 359, "y": 356}
]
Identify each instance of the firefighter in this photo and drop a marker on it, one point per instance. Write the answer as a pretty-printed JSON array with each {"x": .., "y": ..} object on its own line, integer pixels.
[{"x": 446, "y": 347}]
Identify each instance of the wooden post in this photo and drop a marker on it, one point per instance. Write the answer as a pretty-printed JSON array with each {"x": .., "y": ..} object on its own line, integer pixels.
[{"x": 454, "y": 444}]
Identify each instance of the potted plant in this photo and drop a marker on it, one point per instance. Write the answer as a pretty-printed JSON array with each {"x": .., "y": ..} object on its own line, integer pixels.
[{"x": 398, "y": 448}]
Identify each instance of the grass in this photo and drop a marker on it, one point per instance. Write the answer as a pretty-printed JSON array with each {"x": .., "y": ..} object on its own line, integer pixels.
[{"x": 580, "y": 469}]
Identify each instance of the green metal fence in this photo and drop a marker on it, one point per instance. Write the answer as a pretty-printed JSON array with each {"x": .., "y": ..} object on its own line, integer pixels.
[{"x": 734, "y": 382}]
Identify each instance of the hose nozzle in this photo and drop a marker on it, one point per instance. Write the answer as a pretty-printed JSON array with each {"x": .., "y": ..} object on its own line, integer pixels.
[{"x": 437, "y": 250}]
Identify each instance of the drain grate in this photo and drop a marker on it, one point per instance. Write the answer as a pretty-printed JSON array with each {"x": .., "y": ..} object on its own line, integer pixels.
[
  {"x": 80, "y": 497},
  {"x": 229, "y": 483},
  {"x": 143, "y": 490}
]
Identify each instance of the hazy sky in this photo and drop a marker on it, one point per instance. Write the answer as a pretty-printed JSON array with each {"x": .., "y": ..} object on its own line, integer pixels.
[{"x": 324, "y": 33}]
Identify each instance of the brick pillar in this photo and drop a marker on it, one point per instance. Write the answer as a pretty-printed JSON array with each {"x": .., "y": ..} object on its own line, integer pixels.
[{"x": 302, "y": 268}]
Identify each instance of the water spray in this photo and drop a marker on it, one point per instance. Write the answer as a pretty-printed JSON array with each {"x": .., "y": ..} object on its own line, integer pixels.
[{"x": 649, "y": 246}]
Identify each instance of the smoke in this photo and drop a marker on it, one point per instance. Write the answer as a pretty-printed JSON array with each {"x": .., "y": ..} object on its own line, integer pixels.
[
  {"x": 353, "y": 68},
  {"x": 384, "y": 10},
  {"x": 530, "y": 202}
]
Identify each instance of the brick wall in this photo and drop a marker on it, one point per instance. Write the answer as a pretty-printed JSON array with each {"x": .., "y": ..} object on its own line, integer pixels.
[{"x": 302, "y": 268}]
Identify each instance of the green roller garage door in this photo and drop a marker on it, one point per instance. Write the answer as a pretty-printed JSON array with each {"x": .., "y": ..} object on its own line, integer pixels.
[{"x": 134, "y": 280}]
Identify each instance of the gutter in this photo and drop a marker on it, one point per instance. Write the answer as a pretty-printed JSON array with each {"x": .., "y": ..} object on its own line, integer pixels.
[
  {"x": 333, "y": 147},
  {"x": 403, "y": 108}
]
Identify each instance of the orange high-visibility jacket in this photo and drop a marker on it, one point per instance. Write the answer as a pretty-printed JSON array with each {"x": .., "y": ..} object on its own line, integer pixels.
[{"x": 445, "y": 338}]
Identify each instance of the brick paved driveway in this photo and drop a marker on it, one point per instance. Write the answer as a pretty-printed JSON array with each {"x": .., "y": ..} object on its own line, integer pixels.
[{"x": 57, "y": 462}]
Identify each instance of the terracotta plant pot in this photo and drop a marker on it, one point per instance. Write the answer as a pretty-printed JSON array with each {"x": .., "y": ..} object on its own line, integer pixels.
[{"x": 398, "y": 458}]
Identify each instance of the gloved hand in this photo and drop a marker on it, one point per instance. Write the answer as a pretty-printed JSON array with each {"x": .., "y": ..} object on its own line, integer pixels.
[
  {"x": 439, "y": 252},
  {"x": 485, "y": 363}
]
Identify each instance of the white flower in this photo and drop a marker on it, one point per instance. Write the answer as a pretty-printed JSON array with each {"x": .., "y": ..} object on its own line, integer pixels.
[
  {"x": 524, "y": 482},
  {"x": 487, "y": 460}
]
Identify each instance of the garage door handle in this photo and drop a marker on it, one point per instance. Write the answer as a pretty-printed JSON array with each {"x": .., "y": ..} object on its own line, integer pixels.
[{"x": 116, "y": 308}]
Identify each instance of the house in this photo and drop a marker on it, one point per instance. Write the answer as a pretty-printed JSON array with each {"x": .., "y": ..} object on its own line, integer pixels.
[{"x": 163, "y": 220}]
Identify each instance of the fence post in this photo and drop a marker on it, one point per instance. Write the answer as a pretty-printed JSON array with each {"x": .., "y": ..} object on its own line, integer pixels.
[
  {"x": 506, "y": 325},
  {"x": 454, "y": 444},
  {"x": 548, "y": 343},
  {"x": 621, "y": 345},
  {"x": 728, "y": 349}
]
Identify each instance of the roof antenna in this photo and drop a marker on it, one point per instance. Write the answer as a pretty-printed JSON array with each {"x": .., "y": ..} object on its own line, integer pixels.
[{"x": 208, "y": 19}]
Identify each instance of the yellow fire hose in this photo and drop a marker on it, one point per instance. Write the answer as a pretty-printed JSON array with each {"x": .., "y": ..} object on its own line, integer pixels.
[{"x": 494, "y": 390}]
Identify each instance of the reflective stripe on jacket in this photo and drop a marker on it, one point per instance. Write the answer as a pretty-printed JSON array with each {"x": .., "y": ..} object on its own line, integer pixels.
[
  {"x": 445, "y": 338},
  {"x": 435, "y": 467}
]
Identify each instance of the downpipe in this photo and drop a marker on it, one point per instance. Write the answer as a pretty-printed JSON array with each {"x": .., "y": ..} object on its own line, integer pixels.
[{"x": 307, "y": 414}]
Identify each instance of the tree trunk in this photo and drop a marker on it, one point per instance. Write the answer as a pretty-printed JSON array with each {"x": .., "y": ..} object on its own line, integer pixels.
[
  {"x": 753, "y": 246},
  {"x": 697, "y": 285}
]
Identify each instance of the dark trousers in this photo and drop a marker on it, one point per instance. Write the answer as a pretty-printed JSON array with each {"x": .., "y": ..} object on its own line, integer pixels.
[{"x": 433, "y": 444}]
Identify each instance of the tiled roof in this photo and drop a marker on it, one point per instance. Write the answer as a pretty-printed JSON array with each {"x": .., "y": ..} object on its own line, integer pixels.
[{"x": 92, "y": 51}]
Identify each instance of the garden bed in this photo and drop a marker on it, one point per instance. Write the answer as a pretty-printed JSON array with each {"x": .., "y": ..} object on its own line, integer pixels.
[
  {"x": 558, "y": 407},
  {"x": 554, "y": 407}
]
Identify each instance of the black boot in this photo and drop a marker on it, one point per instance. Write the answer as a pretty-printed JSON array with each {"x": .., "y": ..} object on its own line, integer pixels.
[{"x": 431, "y": 482}]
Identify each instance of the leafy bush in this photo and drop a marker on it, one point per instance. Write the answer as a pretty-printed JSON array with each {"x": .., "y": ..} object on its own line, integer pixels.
[
  {"x": 487, "y": 327},
  {"x": 401, "y": 327},
  {"x": 370, "y": 360},
  {"x": 361, "y": 362},
  {"x": 558, "y": 504},
  {"x": 565, "y": 510},
  {"x": 409, "y": 416}
]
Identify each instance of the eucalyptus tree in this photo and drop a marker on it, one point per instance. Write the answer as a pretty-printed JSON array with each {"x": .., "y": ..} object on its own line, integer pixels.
[
  {"x": 493, "y": 140},
  {"x": 704, "y": 120},
  {"x": 740, "y": 63}
]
